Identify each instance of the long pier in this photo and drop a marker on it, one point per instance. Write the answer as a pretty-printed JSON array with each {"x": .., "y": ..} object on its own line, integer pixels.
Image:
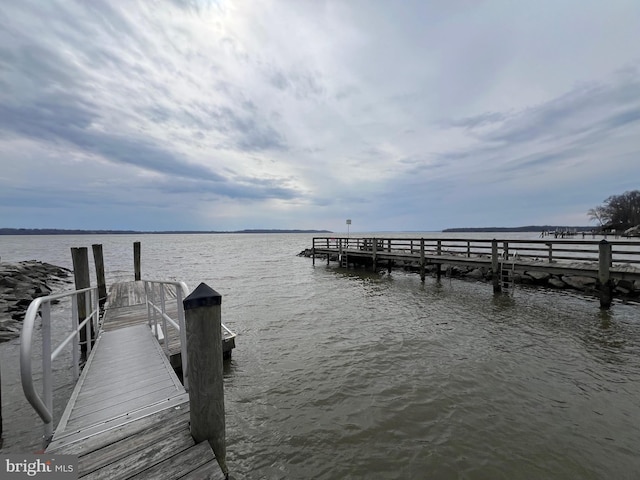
[
  {"x": 130, "y": 414},
  {"x": 603, "y": 260}
]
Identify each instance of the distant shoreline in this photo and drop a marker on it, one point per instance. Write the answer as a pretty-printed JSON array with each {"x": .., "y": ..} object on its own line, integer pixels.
[
  {"x": 57, "y": 231},
  {"x": 528, "y": 228}
]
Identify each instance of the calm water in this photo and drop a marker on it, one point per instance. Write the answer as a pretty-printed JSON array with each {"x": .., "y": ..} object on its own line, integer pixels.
[{"x": 347, "y": 374}]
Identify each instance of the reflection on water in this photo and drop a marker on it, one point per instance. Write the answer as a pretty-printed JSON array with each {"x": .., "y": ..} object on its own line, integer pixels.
[{"x": 348, "y": 374}]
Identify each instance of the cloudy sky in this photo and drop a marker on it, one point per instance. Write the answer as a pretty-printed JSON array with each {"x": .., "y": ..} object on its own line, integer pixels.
[{"x": 401, "y": 115}]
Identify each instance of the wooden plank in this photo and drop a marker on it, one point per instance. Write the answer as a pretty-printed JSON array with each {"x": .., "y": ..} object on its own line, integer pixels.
[
  {"x": 130, "y": 422},
  {"x": 140, "y": 460},
  {"x": 106, "y": 437},
  {"x": 181, "y": 464},
  {"x": 120, "y": 448},
  {"x": 209, "y": 471}
]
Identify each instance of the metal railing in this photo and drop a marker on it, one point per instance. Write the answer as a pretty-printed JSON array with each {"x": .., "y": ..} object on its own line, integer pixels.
[
  {"x": 44, "y": 405},
  {"x": 156, "y": 307}
]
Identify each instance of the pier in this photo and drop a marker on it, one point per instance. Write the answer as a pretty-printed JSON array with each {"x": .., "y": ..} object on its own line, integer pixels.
[
  {"x": 148, "y": 402},
  {"x": 602, "y": 260}
]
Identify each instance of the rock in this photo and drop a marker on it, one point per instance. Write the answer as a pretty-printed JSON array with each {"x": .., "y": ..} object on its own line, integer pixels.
[
  {"x": 579, "y": 282},
  {"x": 539, "y": 277},
  {"x": 20, "y": 283},
  {"x": 556, "y": 283},
  {"x": 476, "y": 273}
]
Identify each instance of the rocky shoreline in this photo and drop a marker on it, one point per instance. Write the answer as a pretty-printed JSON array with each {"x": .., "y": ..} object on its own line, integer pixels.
[
  {"x": 622, "y": 288},
  {"x": 20, "y": 283}
]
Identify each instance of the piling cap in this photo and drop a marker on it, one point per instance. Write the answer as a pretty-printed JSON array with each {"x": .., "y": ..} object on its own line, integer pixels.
[{"x": 202, "y": 296}]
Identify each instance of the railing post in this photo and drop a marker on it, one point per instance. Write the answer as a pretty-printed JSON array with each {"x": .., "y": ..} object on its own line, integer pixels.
[
  {"x": 102, "y": 284},
  {"x": 604, "y": 280},
  {"x": 183, "y": 339},
  {"x": 204, "y": 347},
  {"x": 422, "y": 266},
  {"x": 550, "y": 245},
  {"x": 328, "y": 254},
  {"x": 468, "y": 249},
  {"x": 47, "y": 381},
  {"x": 505, "y": 250},
  {"x": 75, "y": 345},
  {"x": 80, "y": 259},
  {"x": 439, "y": 247},
  {"x": 136, "y": 261},
  {"x": 495, "y": 266},
  {"x": 164, "y": 322}
]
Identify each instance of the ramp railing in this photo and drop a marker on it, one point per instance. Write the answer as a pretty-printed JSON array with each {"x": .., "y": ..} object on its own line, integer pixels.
[{"x": 43, "y": 404}]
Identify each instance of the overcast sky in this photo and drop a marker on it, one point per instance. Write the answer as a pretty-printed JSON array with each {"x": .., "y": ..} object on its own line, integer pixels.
[{"x": 401, "y": 115}]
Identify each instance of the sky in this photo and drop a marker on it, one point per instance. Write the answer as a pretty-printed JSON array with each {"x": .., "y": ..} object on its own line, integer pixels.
[{"x": 299, "y": 114}]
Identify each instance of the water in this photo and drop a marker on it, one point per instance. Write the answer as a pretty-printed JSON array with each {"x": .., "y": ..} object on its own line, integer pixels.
[{"x": 353, "y": 375}]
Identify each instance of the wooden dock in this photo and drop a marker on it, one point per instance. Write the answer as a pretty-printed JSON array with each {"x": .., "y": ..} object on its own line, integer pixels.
[
  {"x": 128, "y": 416},
  {"x": 603, "y": 260}
]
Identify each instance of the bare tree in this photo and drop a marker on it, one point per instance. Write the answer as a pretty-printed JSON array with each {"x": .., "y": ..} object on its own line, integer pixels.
[{"x": 618, "y": 211}]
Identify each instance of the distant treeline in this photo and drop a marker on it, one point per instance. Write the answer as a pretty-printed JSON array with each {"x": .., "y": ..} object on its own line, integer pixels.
[
  {"x": 57, "y": 231},
  {"x": 528, "y": 228}
]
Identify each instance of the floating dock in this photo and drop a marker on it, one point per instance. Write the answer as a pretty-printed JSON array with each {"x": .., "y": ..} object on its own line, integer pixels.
[{"x": 129, "y": 413}]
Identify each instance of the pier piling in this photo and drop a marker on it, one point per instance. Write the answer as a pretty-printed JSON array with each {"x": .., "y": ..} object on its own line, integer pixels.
[
  {"x": 604, "y": 281},
  {"x": 80, "y": 259},
  {"x": 495, "y": 266},
  {"x": 136, "y": 261},
  {"x": 202, "y": 310},
  {"x": 99, "y": 263}
]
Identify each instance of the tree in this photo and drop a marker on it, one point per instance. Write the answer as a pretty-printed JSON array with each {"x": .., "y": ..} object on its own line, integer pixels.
[{"x": 618, "y": 211}]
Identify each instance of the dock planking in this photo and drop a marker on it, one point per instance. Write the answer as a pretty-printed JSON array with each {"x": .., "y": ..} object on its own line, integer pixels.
[{"x": 128, "y": 416}]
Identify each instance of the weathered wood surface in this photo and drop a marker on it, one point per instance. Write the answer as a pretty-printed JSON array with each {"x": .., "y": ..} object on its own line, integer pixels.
[{"x": 128, "y": 416}]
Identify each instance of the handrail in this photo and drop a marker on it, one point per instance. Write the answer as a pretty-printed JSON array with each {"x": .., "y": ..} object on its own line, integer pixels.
[
  {"x": 44, "y": 407},
  {"x": 182, "y": 291}
]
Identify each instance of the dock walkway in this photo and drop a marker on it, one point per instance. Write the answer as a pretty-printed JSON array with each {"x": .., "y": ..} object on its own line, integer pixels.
[{"x": 128, "y": 416}]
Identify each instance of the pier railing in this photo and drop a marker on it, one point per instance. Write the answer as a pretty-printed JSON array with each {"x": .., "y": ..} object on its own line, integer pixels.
[
  {"x": 43, "y": 405},
  {"x": 157, "y": 310},
  {"x": 546, "y": 250}
]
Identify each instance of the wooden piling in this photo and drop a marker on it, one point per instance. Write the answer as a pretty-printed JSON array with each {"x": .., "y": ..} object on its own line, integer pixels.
[
  {"x": 1, "y": 440},
  {"x": 422, "y": 261},
  {"x": 99, "y": 263},
  {"x": 495, "y": 266},
  {"x": 605, "y": 284},
  {"x": 374, "y": 247},
  {"x": 136, "y": 261},
  {"x": 204, "y": 351},
  {"x": 80, "y": 259}
]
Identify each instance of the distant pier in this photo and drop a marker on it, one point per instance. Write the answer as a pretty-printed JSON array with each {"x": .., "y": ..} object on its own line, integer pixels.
[{"x": 603, "y": 260}]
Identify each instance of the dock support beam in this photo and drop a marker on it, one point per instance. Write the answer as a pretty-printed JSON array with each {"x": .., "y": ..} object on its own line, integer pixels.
[
  {"x": 136, "y": 261},
  {"x": 102, "y": 284},
  {"x": 80, "y": 259},
  {"x": 604, "y": 280},
  {"x": 495, "y": 266},
  {"x": 203, "y": 324}
]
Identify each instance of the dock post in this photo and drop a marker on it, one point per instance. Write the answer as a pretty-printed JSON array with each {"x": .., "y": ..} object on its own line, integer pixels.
[
  {"x": 604, "y": 280},
  {"x": 80, "y": 259},
  {"x": 102, "y": 284},
  {"x": 203, "y": 323},
  {"x": 495, "y": 266},
  {"x": 505, "y": 250},
  {"x": 375, "y": 254},
  {"x": 422, "y": 272},
  {"x": 1, "y": 441},
  {"x": 136, "y": 261},
  {"x": 313, "y": 252}
]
